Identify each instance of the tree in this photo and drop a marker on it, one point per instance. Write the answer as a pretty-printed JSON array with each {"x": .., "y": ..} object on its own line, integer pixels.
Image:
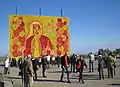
[
  {"x": 107, "y": 51},
  {"x": 117, "y": 51}
]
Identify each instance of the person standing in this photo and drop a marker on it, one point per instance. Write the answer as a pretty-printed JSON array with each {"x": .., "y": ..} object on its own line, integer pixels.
[
  {"x": 99, "y": 52},
  {"x": 28, "y": 71},
  {"x": 44, "y": 63},
  {"x": 80, "y": 65},
  {"x": 53, "y": 60},
  {"x": 35, "y": 63},
  {"x": 7, "y": 65},
  {"x": 47, "y": 57},
  {"x": 100, "y": 67},
  {"x": 17, "y": 62},
  {"x": 91, "y": 61},
  {"x": 64, "y": 66},
  {"x": 104, "y": 56},
  {"x": 20, "y": 66},
  {"x": 73, "y": 63},
  {"x": 58, "y": 60},
  {"x": 39, "y": 59},
  {"x": 110, "y": 65},
  {"x": 114, "y": 65}
]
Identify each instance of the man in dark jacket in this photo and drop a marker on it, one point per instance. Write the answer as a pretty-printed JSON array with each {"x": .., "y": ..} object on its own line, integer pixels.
[
  {"x": 35, "y": 63},
  {"x": 73, "y": 63},
  {"x": 58, "y": 60},
  {"x": 44, "y": 63},
  {"x": 64, "y": 66},
  {"x": 100, "y": 67}
]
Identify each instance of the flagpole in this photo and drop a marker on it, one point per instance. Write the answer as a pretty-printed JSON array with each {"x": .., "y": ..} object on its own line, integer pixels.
[
  {"x": 16, "y": 10},
  {"x": 61, "y": 13},
  {"x": 39, "y": 11}
]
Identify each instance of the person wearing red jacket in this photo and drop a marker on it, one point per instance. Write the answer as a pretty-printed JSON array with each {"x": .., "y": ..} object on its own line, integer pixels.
[
  {"x": 64, "y": 66},
  {"x": 37, "y": 43}
]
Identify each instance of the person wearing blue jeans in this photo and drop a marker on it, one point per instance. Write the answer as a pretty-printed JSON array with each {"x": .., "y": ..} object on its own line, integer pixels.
[
  {"x": 91, "y": 67},
  {"x": 91, "y": 62}
]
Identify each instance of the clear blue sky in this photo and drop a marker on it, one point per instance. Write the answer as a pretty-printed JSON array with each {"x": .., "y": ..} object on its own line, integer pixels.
[{"x": 93, "y": 23}]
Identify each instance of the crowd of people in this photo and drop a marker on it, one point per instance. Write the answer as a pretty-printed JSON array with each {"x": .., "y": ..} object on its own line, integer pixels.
[{"x": 70, "y": 64}]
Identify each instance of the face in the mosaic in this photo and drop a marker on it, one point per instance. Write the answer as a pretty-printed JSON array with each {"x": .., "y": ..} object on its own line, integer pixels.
[{"x": 37, "y": 30}]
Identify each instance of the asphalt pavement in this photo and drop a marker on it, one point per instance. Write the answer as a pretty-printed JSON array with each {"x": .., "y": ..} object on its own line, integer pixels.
[{"x": 54, "y": 73}]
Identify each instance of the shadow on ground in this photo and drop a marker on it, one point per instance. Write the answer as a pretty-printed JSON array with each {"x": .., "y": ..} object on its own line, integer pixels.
[
  {"x": 46, "y": 80},
  {"x": 115, "y": 84},
  {"x": 52, "y": 81},
  {"x": 54, "y": 71},
  {"x": 9, "y": 77},
  {"x": 87, "y": 77}
]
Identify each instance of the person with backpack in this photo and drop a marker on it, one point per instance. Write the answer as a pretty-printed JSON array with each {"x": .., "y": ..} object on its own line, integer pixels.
[{"x": 80, "y": 65}]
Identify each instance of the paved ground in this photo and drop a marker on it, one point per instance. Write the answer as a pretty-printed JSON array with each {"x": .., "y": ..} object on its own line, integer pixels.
[{"x": 53, "y": 77}]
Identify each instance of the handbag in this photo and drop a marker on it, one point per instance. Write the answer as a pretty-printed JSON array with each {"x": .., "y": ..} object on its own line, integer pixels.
[{"x": 78, "y": 66}]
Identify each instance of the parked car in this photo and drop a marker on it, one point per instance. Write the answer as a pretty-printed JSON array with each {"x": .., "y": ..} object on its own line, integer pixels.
[{"x": 118, "y": 56}]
